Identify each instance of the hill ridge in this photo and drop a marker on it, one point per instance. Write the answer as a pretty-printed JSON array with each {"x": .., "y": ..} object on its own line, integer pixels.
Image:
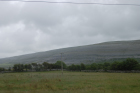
[{"x": 81, "y": 54}]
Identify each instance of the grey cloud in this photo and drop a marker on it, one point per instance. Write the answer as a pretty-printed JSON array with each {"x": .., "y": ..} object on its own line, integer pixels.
[
  {"x": 34, "y": 27},
  {"x": 8, "y": 13}
]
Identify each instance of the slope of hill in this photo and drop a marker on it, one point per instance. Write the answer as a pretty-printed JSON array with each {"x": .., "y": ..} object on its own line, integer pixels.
[{"x": 82, "y": 54}]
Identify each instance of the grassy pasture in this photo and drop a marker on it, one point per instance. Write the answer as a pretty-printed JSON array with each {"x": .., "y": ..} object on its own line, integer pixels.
[{"x": 70, "y": 82}]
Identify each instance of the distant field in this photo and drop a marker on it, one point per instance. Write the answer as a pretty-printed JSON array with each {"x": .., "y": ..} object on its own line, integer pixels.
[{"x": 70, "y": 82}]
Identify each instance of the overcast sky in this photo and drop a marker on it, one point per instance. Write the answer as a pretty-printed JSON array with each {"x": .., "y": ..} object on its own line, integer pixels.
[{"x": 27, "y": 27}]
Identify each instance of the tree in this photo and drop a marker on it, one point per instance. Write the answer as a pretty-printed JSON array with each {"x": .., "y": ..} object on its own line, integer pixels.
[
  {"x": 46, "y": 65},
  {"x": 29, "y": 66},
  {"x": 35, "y": 66},
  {"x": 73, "y": 67},
  {"x": 106, "y": 66},
  {"x": 50, "y": 66},
  {"x": 58, "y": 63},
  {"x": 15, "y": 67},
  {"x": 83, "y": 67},
  {"x": 9, "y": 69},
  {"x": 94, "y": 66},
  {"x": 100, "y": 66},
  {"x": 88, "y": 67},
  {"x": 129, "y": 64},
  {"x": 137, "y": 67},
  {"x": 18, "y": 67},
  {"x": 78, "y": 67},
  {"x": 2, "y": 69},
  {"x": 26, "y": 67},
  {"x": 40, "y": 67},
  {"x": 115, "y": 66}
]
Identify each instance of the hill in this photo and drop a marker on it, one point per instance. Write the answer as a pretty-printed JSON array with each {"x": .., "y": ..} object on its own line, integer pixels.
[{"x": 81, "y": 54}]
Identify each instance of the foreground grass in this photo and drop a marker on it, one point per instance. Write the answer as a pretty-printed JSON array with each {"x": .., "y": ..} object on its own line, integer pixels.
[{"x": 70, "y": 82}]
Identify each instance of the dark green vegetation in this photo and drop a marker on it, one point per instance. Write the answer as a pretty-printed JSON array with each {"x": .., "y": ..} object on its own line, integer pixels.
[
  {"x": 70, "y": 82},
  {"x": 39, "y": 67},
  {"x": 127, "y": 65},
  {"x": 102, "y": 52}
]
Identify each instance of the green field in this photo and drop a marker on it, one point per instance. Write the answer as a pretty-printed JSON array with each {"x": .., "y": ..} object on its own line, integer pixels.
[{"x": 70, "y": 82}]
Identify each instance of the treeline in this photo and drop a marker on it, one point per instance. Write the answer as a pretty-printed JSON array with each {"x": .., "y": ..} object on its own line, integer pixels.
[
  {"x": 126, "y": 65},
  {"x": 35, "y": 67},
  {"x": 38, "y": 67}
]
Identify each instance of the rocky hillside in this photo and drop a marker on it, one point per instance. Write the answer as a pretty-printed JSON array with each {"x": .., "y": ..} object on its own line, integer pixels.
[{"x": 82, "y": 54}]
